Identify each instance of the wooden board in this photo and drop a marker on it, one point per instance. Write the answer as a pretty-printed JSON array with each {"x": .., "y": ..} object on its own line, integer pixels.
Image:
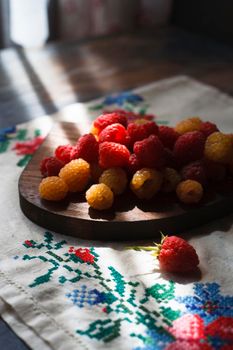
[{"x": 128, "y": 219}]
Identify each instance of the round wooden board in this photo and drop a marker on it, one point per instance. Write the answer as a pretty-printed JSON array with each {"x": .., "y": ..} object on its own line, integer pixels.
[{"x": 128, "y": 219}]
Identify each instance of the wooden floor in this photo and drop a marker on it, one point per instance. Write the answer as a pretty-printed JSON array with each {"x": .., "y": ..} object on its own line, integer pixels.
[{"x": 39, "y": 81}]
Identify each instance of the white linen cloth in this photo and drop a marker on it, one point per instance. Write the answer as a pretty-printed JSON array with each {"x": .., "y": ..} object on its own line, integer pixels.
[{"x": 64, "y": 293}]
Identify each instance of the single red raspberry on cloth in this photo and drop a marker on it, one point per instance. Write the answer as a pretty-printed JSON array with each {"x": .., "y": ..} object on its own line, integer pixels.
[
  {"x": 114, "y": 133},
  {"x": 189, "y": 147},
  {"x": 112, "y": 154},
  {"x": 50, "y": 166},
  {"x": 64, "y": 152},
  {"x": 194, "y": 171},
  {"x": 86, "y": 148},
  {"x": 174, "y": 254},
  {"x": 150, "y": 152},
  {"x": 177, "y": 255},
  {"x": 167, "y": 136},
  {"x": 134, "y": 164},
  {"x": 208, "y": 128},
  {"x": 109, "y": 118},
  {"x": 138, "y": 132}
]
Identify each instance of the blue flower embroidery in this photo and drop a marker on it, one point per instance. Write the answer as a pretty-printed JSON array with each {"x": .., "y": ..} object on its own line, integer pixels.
[
  {"x": 7, "y": 133},
  {"x": 82, "y": 296},
  {"x": 208, "y": 302},
  {"x": 122, "y": 98}
]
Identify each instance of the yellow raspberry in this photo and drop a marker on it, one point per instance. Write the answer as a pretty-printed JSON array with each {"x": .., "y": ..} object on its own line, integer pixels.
[
  {"x": 218, "y": 148},
  {"x": 114, "y": 178},
  {"x": 187, "y": 125},
  {"x": 146, "y": 183},
  {"x": 230, "y": 136},
  {"x": 99, "y": 197},
  {"x": 189, "y": 191},
  {"x": 53, "y": 188},
  {"x": 76, "y": 174},
  {"x": 95, "y": 131},
  {"x": 171, "y": 178},
  {"x": 140, "y": 121},
  {"x": 96, "y": 172}
]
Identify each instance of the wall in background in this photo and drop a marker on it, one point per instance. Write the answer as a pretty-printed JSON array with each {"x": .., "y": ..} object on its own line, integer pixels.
[{"x": 211, "y": 17}]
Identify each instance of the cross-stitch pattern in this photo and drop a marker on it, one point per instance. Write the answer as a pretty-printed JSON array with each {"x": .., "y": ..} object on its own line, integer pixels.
[
  {"x": 155, "y": 316},
  {"x": 124, "y": 310},
  {"x": 133, "y": 105},
  {"x": 18, "y": 139}
]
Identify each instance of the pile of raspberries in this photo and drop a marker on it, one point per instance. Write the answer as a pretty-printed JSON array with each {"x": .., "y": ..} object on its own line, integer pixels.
[{"x": 139, "y": 155}]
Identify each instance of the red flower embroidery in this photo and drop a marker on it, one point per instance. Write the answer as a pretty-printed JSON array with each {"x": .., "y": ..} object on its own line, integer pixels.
[
  {"x": 29, "y": 243},
  {"x": 188, "y": 327},
  {"x": 222, "y": 327},
  {"x": 191, "y": 333},
  {"x": 84, "y": 254},
  {"x": 28, "y": 147}
]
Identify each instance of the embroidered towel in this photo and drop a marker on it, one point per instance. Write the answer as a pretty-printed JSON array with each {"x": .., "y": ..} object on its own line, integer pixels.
[{"x": 59, "y": 292}]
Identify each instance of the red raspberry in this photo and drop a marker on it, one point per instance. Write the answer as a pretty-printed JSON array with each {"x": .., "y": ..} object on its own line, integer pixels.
[
  {"x": 167, "y": 136},
  {"x": 63, "y": 153},
  {"x": 132, "y": 116},
  {"x": 109, "y": 118},
  {"x": 150, "y": 152},
  {"x": 174, "y": 254},
  {"x": 134, "y": 164},
  {"x": 194, "y": 171},
  {"x": 113, "y": 154},
  {"x": 208, "y": 128},
  {"x": 86, "y": 148},
  {"x": 189, "y": 147},
  {"x": 50, "y": 166},
  {"x": 114, "y": 133},
  {"x": 177, "y": 255},
  {"x": 138, "y": 132}
]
